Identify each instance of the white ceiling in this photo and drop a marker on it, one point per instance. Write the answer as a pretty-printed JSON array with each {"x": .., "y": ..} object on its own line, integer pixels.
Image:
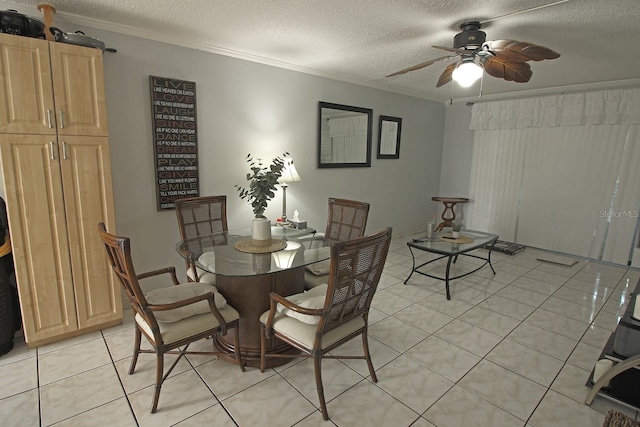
[{"x": 361, "y": 41}]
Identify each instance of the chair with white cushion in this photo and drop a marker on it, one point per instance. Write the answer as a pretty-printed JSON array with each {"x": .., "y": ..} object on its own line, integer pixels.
[
  {"x": 319, "y": 320},
  {"x": 346, "y": 220},
  {"x": 200, "y": 216},
  {"x": 170, "y": 318}
]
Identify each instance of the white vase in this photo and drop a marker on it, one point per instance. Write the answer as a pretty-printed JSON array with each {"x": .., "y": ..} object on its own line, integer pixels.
[
  {"x": 455, "y": 234},
  {"x": 261, "y": 263},
  {"x": 261, "y": 232}
]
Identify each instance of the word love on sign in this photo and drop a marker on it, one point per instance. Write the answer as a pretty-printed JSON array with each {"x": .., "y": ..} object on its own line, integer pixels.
[{"x": 175, "y": 137}]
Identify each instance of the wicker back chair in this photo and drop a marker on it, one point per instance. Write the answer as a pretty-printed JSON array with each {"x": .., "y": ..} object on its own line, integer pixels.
[
  {"x": 173, "y": 319},
  {"x": 347, "y": 219},
  {"x": 200, "y": 216},
  {"x": 318, "y": 321}
]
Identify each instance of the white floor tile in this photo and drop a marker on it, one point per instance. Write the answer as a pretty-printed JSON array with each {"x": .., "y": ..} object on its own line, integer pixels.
[
  {"x": 273, "y": 402},
  {"x": 413, "y": 384},
  {"x": 20, "y": 410},
  {"x": 73, "y": 395},
  {"x": 558, "y": 410},
  {"x": 447, "y": 411},
  {"x": 527, "y": 362},
  {"x": 514, "y": 393},
  {"x": 18, "y": 377},
  {"x": 354, "y": 408}
]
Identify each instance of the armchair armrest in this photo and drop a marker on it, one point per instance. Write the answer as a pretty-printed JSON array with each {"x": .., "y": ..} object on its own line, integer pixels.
[{"x": 292, "y": 306}]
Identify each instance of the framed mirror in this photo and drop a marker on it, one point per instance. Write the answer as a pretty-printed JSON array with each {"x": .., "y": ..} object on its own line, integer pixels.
[
  {"x": 344, "y": 136},
  {"x": 389, "y": 137}
]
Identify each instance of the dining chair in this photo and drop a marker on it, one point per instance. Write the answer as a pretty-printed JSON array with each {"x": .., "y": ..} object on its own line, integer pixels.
[
  {"x": 170, "y": 318},
  {"x": 200, "y": 216},
  {"x": 346, "y": 220},
  {"x": 319, "y": 320}
]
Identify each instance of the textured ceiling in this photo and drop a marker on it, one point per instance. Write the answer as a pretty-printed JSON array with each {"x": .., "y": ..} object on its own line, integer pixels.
[{"x": 362, "y": 41}]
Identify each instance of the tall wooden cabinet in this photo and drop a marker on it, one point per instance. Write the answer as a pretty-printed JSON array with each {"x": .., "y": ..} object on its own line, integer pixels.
[{"x": 56, "y": 170}]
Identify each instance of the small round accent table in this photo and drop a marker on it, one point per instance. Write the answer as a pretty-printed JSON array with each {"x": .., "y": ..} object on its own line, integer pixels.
[{"x": 449, "y": 203}]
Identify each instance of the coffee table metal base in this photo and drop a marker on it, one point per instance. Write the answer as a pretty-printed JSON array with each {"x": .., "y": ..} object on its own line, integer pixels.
[{"x": 452, "y": 258}]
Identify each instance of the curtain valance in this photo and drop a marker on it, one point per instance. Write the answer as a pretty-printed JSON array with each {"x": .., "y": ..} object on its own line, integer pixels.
[{"x": 619, "y": 106}]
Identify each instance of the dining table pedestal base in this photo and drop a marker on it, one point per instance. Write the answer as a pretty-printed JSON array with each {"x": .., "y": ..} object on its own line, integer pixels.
[{"x": 249, "y": 295}]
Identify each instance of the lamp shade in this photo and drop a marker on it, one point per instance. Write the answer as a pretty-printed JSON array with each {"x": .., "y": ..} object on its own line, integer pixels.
[
  {"x": 467, "y": 73},
  {"x": 289, "y": 173},
  {"x": 284, "y": 258}
]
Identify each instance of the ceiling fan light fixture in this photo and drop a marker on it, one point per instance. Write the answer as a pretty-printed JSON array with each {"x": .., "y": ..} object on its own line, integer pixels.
[{"x": 467, "y": 73}]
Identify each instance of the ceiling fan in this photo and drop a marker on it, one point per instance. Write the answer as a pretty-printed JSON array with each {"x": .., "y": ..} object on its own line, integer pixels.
[{"x": 505, "y": 59}]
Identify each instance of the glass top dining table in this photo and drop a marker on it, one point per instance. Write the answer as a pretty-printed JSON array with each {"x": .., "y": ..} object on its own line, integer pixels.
[
  {"x": 216, "y": 253},
  {"x": 246, "y": 280}
]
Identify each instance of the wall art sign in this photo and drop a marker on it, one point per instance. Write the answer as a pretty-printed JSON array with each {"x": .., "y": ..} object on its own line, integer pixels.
[{"x": 175, "y": 139}]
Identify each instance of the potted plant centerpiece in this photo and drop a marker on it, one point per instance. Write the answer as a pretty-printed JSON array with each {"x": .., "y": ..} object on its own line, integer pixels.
[
  {"x": 455, "y": 230},
  {"x": 262, "y": 186}
]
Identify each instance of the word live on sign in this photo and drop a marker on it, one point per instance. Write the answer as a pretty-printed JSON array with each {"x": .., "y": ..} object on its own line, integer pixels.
[{"x": 175, "y": 137}]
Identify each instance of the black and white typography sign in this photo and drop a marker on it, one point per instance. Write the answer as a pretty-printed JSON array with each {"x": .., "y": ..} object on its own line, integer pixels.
[{"x": 175, "y": 137}]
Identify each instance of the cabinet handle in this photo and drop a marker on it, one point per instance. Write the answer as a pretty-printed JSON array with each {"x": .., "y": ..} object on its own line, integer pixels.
[
  {"x": 49, "y": 119},
  {"x": 53, "y": 153},
  {"x": 64, "y": 150},
  {"x": 61, "y": 120}
]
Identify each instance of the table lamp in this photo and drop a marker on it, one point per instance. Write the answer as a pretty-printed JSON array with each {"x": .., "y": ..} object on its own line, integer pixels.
[{"x": 289, "y": 174}]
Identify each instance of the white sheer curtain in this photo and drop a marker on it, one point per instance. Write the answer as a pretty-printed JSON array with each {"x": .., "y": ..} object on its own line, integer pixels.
[
  {"x": 496, "y": 176},
  {"x": 568, "y": 181},
  {"x": 623, "y": 216},
  {"x": 559, "y": 173}
]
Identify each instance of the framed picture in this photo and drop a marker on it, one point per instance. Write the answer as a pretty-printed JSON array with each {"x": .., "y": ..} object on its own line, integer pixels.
[
  {"x": 344, "y": 136},
  {"x": 389, "y": 137}
]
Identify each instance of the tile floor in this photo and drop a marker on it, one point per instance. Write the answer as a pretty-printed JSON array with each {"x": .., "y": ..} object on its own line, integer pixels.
[{"x": 514, "y": 349}]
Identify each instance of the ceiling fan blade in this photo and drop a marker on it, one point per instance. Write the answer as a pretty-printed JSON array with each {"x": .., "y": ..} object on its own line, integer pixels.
[
  {"x": 445, "y": 77},
  {"x": 512, "y": 50},
  {"x": 519, "y": 72},
  {"x": 422, "y": 65}
]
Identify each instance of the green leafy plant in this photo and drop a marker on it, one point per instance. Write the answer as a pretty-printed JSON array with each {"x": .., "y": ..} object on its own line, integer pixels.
[
  {"x": 456, "y": 227},
  {"x": 262, "y": 183}
]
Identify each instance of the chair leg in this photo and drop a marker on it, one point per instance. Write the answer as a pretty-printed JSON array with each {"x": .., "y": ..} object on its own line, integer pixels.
[
  {"x": 263, "y": 348},
  {"x": 159, "y": 381},
  {"x": 136, "y": 351},
  {"x": 367, "y": 355},
  {"x": 236, "y": 340},
  {"x": 317, "y": 361}
]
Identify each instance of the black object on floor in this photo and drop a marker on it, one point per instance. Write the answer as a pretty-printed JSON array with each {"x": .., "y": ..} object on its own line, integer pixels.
[
  {"x": 9, "y": 308},
  {"x": 506, "y": 247},
  {"x": 7, "y": 318}
]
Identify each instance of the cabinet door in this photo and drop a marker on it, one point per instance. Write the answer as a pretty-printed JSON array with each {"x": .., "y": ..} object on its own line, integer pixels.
[
  {"x": 88, "y": 195},
  {"x": 35, "y": 205},
  {"x": 25, "y": 86},
  {"x": 78, "y": 84}
]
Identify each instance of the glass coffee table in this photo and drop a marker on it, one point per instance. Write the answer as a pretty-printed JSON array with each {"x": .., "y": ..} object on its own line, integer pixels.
[{"x": 451, "y": 248}]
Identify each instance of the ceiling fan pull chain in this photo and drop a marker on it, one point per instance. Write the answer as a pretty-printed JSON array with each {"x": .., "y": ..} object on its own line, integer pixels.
[{"x": 451, "y": 99}]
